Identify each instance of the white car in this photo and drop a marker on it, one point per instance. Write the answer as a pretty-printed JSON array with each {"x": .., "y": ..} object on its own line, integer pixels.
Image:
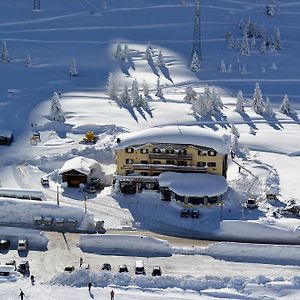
[
  {"x": 45, "y": 181},
  {"x": 22, "y": 245}
]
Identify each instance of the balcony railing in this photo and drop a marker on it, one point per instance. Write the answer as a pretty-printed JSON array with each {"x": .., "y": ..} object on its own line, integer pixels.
[
  {"x": 171, "y": 156},
  {"x": 166, "y": 168}
]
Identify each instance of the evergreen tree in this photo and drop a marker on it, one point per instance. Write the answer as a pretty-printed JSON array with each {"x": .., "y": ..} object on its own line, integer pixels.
[
  {"x": 273, "y": 67},
  {"x": 240, "y": 102},
  {"x": 277, "y": 39},
  {"x": 285, "y": 106},
  {"x": 253, "y": 42},
  {"x": 111, "y": 87},
  {"x": 160, "y": 62},
  {"x": 148, "y": 54},
  {"x": 56, "y": 113},
  {"x": 149, "y": 46},
  {"x": 195, "y": 65},
  {"x": 263, "y": 70},
  {"x": 144, "y": 103},
  {"x": 4, "y": 53},
  {"x": 217, "y": 103},
  {"x": 199, "y": 106},
  {"x": 258, "y": 103},
  {"x": 125, "y": 97},
  {"x": 190, "y": 94},
  {"x": 245, "y": 50},
  {"x": 244, "y": 70},
  {"x": 208, "y": 99},
  {"x": 126, "y": 51},
  {"x": 267, "y": 107},
  {"x": 104, "y": 4},
  {"x": 223, "y": 68},
  {"x": 159, "y": 93},
  {"x": 229, "y": 70},
  {"x": 73, "y": 70},
  {"x": 235, "y": 139},
  {"x": 229, "y": 40},
  {"x": 28, "y": 63},
  {"x": 120, "y": 54},
  {"x": 263, "y": 46},
  {"x": 146, "y": 89},
  {"x": 252, "y": 131},
  {"x": 135, "y": 93}
]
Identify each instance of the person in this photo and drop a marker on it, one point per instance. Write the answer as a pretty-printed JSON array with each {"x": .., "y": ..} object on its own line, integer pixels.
[
  {"x": 80, "y": 261},
  {"x": 89, "y": 286},
  {"x": 112, "y": 295},
  {"x": 240, "y": 169},
  {"x": 22, "y": 295},
  {"x": 32, "y": 278}
]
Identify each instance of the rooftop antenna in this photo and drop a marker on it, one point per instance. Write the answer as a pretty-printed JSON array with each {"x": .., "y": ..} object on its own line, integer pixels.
[{"x": 197, "y": 31}]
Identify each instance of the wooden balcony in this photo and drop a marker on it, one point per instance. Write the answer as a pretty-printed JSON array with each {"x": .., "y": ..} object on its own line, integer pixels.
[
  {"x": 169, "y": 168},
  {"x": 170, "y": 156}
]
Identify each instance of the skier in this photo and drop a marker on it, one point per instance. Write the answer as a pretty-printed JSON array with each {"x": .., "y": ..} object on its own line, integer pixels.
[
  {"x": 112, "y": 295},
  {"x": 32, "y": 278},
  {"x": 80, "y": 261},
  {"x": 89, "y": 286},
  {"x": 22, "y": 295}
]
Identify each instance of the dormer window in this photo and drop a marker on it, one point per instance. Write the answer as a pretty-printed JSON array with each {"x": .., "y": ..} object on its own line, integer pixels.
[
  {"x": 202, "y": 153},
  {"x": 129, "y": 150},
  {"x": 156, "y": 150},
  {"x": 129, "y": 161},
  {"x": 144, "y": 151},
  {"x": 170, "y": 151},
  {"x": 212, "y": 153},
  {"x": 182, "y": 152}
]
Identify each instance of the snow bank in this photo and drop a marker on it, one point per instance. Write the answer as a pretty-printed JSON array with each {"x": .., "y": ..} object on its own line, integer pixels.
[
  {"x": 129, "y": 245},
  {"x": 187, "y": 135},
  {"x": 250, "y": 231}
]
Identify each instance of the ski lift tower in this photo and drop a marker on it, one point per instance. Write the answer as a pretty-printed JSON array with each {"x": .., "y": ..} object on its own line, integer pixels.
[
  {"x": 197, "y": 31},
  {"x": 36, "y": 5}
]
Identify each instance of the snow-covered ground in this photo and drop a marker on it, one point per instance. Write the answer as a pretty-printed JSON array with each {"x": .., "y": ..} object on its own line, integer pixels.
[{"x": 80, "y": 29}]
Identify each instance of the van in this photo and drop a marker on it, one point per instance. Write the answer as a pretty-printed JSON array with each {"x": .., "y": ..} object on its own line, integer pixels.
[
  {"x": 140, "y": 268},
  {"x": 22, "y": 245}
]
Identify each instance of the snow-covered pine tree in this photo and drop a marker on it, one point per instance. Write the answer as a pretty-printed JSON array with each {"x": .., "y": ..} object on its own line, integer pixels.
[
  {"x": 277, "y": 39},
  {"x": 263, "y": 70},
  {"x": 216, "y": 101},
  {"x": 149, "y": 46},
  {"x": 285, "y": 106},
  {"x": 229, "y": 69},
  {"x": 195, "y": 65},
  {"x": 36, "y": 4},
  {"x": 234, "y": 130},
  {"x": 274, "y": 67},
  {"x": 73, "y": 70},
  {"x": 253, "y": 42},
  {"x": 56, "y": 113},
  {"x": 144, "y": 103},
  {"x": 230, "y": 41},
  {"x": 235, "y": 139},
  {"x": 120, "y": 54},
  {"x": 160, "y": 62},
  {"x": 126, "y": 51},
  {"x": 125, "y": 97},
  {"x": 258, "y": 103},
  {"x": 190, "y": 94},
  {"x": 104, "y": 4},
  {"x": 4, "y": 53},
  {"x": 148, "y": 54},
  {"x": 146, "y": 89},
  {"x": 252, "y": 131},
  {"x": 244, "y": 70},
  {"x": 223, "y": 68},
  {"x": 245, "y": 49},
  {"x": 199, "y": 106},
  {"x": 28, "y": 63},
  {"x": 208, "y": 98},
  {"x": 263, "y": 46},
  {"x": 159, "y": 92},
  {"x": 267, "y": 107},
  {"x": 240, "y": 102},
  {"x": 111, "y": 87},
  {"x": 135, "y": 93}
]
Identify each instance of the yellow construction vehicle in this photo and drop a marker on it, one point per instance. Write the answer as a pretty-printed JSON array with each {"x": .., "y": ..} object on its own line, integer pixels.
[{"x": 90, "y": 137}]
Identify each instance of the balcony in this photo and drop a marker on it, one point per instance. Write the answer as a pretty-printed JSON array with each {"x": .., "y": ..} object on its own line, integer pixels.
[
  {"x": 170, "y": 156},
  {"x": 169, "y": 168}
]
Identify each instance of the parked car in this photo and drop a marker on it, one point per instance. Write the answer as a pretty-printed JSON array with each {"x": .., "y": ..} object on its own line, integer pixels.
[
  {"x": 45, "y": 181},
  {"x": 123, "y": 269},
  {"x": 22, "y": 245},
  {"x": 185, "y": 213},
  {"x": 12, "y": 263},
  {"x": 90, "y": 189},
  {"x": 106, "y": 267},
  {"x": 140, "y": 268},
  {"x": 4, "y": 244},
  {"x": 195, "y": 214},
  {"x": 69, "y": 269},
  {"x": 156, "y": 271},
  {"x": 85, "y": 266},
  {"x": 23, "y": 267},
  {"x": 251, "y": 203}
]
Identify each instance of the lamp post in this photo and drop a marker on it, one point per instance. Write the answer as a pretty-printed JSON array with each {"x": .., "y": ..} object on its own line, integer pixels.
[
  {"x": 85, "y": 204},
  {"x": 57, "y": 194}
]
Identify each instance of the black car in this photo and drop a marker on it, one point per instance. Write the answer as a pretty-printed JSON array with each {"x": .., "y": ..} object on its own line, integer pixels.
[
  {"x": 123, "y": 269},
  {"x": 156, "y": 271},
  {"x": 106, "y": 267},
  {"x": 69, "y": 268},
  {"x": 4, "y": 244},
  {"x": 195, "y": 214},
  {"x": 185, "y": 213},
  {"x": 23, "y": 267}
]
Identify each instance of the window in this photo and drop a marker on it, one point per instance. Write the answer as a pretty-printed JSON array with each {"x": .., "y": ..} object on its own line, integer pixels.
[
  {"x": 156, "y": 150},
  {"x": 182, "y": 152},
  {"x": 202, "y": 153},
  {"x": 144, "y": 162},
  {"x": 128, "y": 172},
  {"x": 211, "y": 164},
  {"x": 129, "y": 150},
  {"x": 170, "y": 162},
  {"x": 155, "y": 173},
  {"x": 144, "y": 173},
  {"x": 156, "y": 162},
  {"x": 170, "y": 151},
  {"x": 201, "y": 164},
  {"x": 129, "y": 161},
  {"x": 212, "y": 153},
  {"x": 182, "y": 163},
  {"x": 144, "y": 151}
]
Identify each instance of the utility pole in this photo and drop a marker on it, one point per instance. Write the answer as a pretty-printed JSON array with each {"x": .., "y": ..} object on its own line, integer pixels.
[
  {"x": 197, "y": 31},
  {"x": 57, "y": 195},
  {"x": 36, "y": 5},
  {"x": 85, "y": 204}
]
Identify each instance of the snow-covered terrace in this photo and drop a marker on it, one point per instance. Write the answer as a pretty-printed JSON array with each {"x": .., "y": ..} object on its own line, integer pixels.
[
  {"x": 187, "y": 135},
  {"x": 194, "y": 185}
]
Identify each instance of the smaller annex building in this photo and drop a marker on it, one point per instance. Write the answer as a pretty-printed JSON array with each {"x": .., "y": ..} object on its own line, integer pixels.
[
  {"x": 83, "y": 170},
  {"x": 6, "y": 137},
  {"x": 186, "y": 163}
]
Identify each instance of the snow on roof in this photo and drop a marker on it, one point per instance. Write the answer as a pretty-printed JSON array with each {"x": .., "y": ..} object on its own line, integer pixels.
[
  {"x": 194, "y": 185},
  {"x": 80, "y": 164},
  {"x": 5, "y": 133},
  {"x": 188, "y": 135}
]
